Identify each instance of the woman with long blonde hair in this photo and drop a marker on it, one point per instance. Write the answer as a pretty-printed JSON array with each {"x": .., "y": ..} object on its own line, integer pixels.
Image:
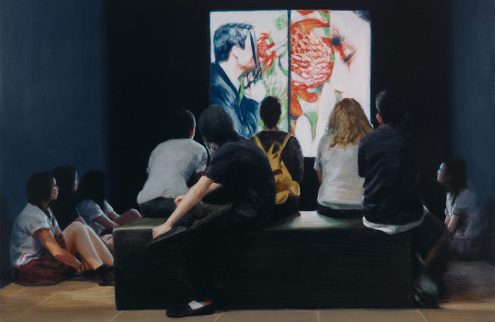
[{"x": 336, "y": 162}]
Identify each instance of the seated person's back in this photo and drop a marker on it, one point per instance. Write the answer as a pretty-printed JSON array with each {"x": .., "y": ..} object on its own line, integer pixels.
[
  {"x": 271, "y": 137},
  {"x": 171, "y": 165},
  {"x": 387, "y": 161},
  {"x": 336, "y": 163}
]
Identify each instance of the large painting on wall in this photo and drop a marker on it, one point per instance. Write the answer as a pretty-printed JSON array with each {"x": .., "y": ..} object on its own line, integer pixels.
[{"x": 309, "y": 59}]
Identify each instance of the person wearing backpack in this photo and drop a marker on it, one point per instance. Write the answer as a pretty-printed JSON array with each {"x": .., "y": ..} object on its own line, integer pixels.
[
  {"x": 336, "y": 163},
  {"x": 285, "y": 156}
]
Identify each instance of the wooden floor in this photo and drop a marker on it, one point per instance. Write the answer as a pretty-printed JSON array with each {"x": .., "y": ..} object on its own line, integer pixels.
[{"x": 472, "y": 286}]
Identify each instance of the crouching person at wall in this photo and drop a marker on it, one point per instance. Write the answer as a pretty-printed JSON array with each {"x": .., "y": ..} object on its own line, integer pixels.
[
  {"x": 241, "y": 170},
  {"x": 41, "y": 253}
]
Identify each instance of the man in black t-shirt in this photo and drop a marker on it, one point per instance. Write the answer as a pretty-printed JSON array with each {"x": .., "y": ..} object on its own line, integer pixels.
[{"x": 242, "y": 171}]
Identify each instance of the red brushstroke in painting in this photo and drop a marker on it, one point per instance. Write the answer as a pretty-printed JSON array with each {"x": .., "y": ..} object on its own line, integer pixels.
[
  {"x": 311, "y": 61},
  {"x": 267, "y": 52}
]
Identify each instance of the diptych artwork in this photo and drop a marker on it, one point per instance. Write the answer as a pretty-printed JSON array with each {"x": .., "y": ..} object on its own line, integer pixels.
[{"x": 309, "y": 59}]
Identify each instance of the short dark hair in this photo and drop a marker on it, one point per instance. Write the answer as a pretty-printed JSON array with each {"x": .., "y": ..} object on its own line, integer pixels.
[
  {"x": 457, "y": 174},
  {"x": 270, "y": 111},
  {"x": 39, "y": 188},
  {"x": 390, "y": 106},
  {"x": 227, "y": 36},
  {"x": 216, "y": 126},
  {"x": 65, "y": 176},
  {"x": 92, "y": 186},
  {"x": 184, "y": 123}
]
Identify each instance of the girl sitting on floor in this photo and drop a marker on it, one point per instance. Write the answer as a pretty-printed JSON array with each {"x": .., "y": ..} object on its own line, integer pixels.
[
  {"x": 41, "y": 253},
  {"x": 462, "y": 213},
  {"x": 64, "y": 208},
  {"x": 94, "y": 208}
]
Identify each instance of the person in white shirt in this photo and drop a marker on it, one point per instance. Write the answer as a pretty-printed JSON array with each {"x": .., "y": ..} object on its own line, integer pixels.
[
  {"x": 462, "y": 213},
  {"x": 95, "y": 209},
  {"x": 336, "y": 162},
  {"x": 171, "y": 166},
  {"x": 41, "y": 253}
]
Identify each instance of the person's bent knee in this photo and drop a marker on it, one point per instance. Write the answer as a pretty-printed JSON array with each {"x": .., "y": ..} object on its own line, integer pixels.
[
  {"x": 134, "y": 213},
  {"x": 75, "y": 226}
]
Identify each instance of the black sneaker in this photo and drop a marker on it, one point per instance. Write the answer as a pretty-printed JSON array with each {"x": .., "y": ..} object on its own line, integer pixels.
[
  {"x": 166, "y": 238},
  {"x": 104, "y": 276},
  {"x": 423, "y": 300}
]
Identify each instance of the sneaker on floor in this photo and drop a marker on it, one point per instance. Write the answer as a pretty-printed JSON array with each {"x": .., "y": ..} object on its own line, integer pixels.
[{"x": 187, "y": 310}]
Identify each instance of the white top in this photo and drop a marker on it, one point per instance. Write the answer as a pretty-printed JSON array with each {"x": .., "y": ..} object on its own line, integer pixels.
[
  {"x": 341, "y": 186},
  {"x": 466, "y": 206},
  {"x": 171, "y": 164},
  {"x": 23, "y": 246},
  {"x": 90, "y": 210}
]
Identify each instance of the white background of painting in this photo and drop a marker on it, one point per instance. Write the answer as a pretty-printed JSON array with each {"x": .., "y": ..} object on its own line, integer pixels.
[{"x": 354, "y": 82}]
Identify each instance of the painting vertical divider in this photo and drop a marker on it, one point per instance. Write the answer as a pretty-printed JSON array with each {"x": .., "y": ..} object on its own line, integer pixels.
[{"x": 289, "y": 68}]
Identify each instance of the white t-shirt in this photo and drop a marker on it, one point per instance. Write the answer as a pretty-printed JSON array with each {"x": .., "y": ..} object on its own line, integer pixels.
[
  {"x": 23, "y": 246},
  {"x": 341, "y": 187},
  {"x": 90, "y": 210},
  {"x": 171, "y": 164},
  {"x": 466, "y": 206}
]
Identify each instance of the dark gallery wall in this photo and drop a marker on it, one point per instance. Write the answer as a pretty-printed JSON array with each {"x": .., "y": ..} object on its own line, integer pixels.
[
  {"x": 473, "y": 91},
  {"x": 53, "y": 97}
]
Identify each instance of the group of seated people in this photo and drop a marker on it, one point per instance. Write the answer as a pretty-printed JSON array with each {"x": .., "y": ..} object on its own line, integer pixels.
[
  {"x": 237, "y": 184},
  {"x": 65, "y": 228}
]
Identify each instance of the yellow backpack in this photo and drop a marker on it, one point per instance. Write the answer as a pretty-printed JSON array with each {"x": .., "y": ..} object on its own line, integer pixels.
[{"x": 284, "y": 185}]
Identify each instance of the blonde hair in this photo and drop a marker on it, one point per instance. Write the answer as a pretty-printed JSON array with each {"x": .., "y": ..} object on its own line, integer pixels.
[{"x": 347, "y": 124}]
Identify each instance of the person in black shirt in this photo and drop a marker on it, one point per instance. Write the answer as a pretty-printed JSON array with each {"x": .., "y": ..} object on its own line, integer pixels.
[
  {"x": 387, "y": 159},
  {"x": 240, "y": 169}
]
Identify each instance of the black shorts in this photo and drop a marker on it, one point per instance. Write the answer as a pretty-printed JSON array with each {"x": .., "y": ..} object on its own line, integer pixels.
[{"x": 339, "y": 213}]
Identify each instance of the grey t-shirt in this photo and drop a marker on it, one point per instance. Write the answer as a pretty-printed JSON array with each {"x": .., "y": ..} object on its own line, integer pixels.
[
  {"x": 170, "y": 166},
  {"x": 465, "y": 206},
  {"x": 23, "y": 246},
  {"x": 90, "y": 210}
]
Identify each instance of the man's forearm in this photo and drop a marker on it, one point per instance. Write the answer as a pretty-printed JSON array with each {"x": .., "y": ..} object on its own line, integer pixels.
[{"x": 191, "y": 199}]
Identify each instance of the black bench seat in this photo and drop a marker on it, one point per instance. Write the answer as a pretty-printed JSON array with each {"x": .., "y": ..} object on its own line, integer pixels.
[{"x": 308, "y": 262}]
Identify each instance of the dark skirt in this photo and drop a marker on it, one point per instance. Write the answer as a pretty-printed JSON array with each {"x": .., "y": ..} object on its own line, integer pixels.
[{"x": 42, "y": 271}]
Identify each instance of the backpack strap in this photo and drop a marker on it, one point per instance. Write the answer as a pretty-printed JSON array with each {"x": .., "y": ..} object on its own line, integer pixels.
[
  {"x": 284, "y": 142},
  {"x": 258, "y": 143}
]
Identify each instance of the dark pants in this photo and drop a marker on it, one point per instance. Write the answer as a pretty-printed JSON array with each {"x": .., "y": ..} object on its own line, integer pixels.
[
  {"x": 285, "y": 211},
  {"x": 430, "y": 235},
  {"x": 157, "y": 208},
  {"x": 206, "y": 226},
  {"x": 339, "y": 213}
]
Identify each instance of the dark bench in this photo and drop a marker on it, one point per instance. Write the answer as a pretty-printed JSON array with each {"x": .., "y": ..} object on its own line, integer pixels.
[{"x": 309, "y": 262}]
